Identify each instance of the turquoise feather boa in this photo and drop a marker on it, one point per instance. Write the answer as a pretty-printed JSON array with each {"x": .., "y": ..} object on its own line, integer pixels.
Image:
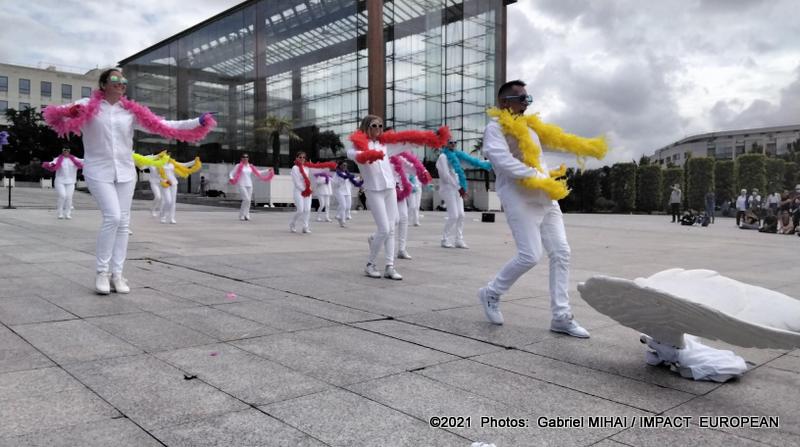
[{"x": 455, "y": 158}]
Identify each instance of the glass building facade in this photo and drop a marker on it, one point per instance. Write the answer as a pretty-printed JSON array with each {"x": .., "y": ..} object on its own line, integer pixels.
[{"x": 309, "y": 61}]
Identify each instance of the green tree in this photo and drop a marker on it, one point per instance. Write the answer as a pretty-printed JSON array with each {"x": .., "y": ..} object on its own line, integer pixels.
[
  {"x": 32, "y": 141},
  {"x": 775, "y": 172},
  {"x": 648, "y": 188},
  {"x": 623, "y": 186},
  {"x": 699, "y": 181},
  {"x": 671, "y": 177},
  {"x": 751, "y": 172},
  {"x": 331, "y": 140},
  {"x": 724, "y": 184},
  {"x": 275, "y": 127},
  {"x": 791, "y": 175}
]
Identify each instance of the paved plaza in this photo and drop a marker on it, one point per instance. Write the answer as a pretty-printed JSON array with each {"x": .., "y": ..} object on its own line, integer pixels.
[{"x": 244, "y": 334}]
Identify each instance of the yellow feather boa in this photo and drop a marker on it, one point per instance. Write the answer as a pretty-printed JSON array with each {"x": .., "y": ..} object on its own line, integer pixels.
[
  {"x": 180, "y": 170},
  {"x": 553, "y": 137},
  {"x": 142, "y": 161}
]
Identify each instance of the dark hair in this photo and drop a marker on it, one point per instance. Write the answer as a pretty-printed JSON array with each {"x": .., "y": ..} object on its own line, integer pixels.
[
  {"x": 505, "y": 89},
  {"x": 303, "y": 153},
  {"x": 105, "y": 75},
  {"x": 365, "y": 122}
]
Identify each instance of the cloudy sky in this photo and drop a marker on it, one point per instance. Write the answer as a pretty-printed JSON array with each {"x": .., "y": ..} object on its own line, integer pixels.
[{"x": 644, "y": 73}]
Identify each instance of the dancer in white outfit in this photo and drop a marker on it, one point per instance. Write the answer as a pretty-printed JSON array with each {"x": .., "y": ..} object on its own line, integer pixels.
[
  {"x": 324, "y": 191},
  {"x": 66, "y": 168},
  {"x": 342, "y": 189},
  {"x": 453, "y": 189},
  {"x": 529, "y": 194},
  {"x": 107, "y": 121},
  {"x": 414, "y": 201},
  {"x": 155, "y": 183},
  {"x": 371, "y": 151},
  {"x": 302, "y": 189},
  {"x": 240, "y": 176},
  {"x": 169, "y": 184},
  {"x": 406, "y": 166}
]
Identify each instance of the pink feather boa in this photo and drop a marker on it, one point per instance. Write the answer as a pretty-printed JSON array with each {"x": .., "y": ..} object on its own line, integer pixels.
[
  {"x": 263, "y": 177},
  {"x": 53, "y": 167},
  {"x": 71, "y": 119},
  {"x": 404, "y": 189}
]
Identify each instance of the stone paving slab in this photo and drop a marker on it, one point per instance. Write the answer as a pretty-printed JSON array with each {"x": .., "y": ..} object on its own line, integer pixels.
[
  {"x": 118, "y": 432},
  {"x": 335, "y": 358},
  {"x": 151, "y": 392}
]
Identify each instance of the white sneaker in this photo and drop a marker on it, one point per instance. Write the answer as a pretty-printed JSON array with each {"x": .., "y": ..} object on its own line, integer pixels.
[
  {"x": 119, "y": 284},
  {"x": 154, "y": 213},
  {"x": 348, "y": 217},
  {"x": 402, "y": 254},
  {"x": 446, "y": 244},
  {"x": 568, "y": 325},
  {"x": 461, "y": 244},
  {"x": 247, "y": 217},
  {"x": 491, "y": 306},
  {"x": 319, "y": 219},
  {"x": 60, "y": 216},
  {"x": 101, "y": 284},
  {"x": 391, "y": 273},
  {"x": 306, "y": 230},
  {"x": 173, "y": 221},
  {"x": 328, "y": 219},
  {"x": 292, "y": 228},
  {"x": 371, "y": 271},
  {"x": 242, "y": 218},
  {"x": 341, "y": 222},
  {"x": 163, "y": 221},
  {"x": 68, "y": 217}
]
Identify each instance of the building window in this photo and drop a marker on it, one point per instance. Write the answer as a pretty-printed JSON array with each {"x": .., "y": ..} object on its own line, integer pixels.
[
  {"x": 24, "y": 86},
  {"x": 47, "y": 89},
  {"x": 24, "y": 105},
  {"x": 3, "y": 106},
  {"x": 86, "y": 92},
  {"x": 66, "y": 91},
  {"x": 3, "y": 83}
]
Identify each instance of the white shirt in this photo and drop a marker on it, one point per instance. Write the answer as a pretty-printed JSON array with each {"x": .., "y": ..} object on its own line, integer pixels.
[
  {"x": 773, "y": 198},
  {"x": 245, "y": 179},
  {"x": 506, "y": 158},
  {"x": 379, "y": 175},
  {"x": 341, "y": 185},
  {"x": 448, "y": 179},
  {"x": 741, "y": 203},
  {"x": 68, "y": 172},
  {"x": 108, "y": 142},
  {"x": 298, "y": 179},
  {"x": 323, "y": 188}
]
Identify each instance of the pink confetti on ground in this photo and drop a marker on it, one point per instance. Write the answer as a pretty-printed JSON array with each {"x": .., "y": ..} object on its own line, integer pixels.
[
  {"x": 230, "y": 295},
  {"x": 214, "y": 354}
]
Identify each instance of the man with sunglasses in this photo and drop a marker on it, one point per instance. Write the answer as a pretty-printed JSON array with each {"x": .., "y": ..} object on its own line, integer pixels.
[{"x": 535, "y": 219}]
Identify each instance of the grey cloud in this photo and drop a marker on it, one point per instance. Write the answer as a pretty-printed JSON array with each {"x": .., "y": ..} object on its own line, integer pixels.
[{"x": 729, "y": 114}]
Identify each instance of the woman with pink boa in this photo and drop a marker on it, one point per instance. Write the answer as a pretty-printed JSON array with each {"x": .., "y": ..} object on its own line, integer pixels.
[
  {"x": 107, "y": 121},
  {"x": 66, "y": 168}
]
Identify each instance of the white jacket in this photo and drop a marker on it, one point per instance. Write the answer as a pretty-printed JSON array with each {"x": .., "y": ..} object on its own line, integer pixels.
[
  {"x": 448, "y": 179},
  {"x": 341, "y": 185},
  {"x": 108, "y": 142},
  {"x": 67, "y": 174},
  {"x": 379, "y": 175},
  {"x": 506, "y": 158}
]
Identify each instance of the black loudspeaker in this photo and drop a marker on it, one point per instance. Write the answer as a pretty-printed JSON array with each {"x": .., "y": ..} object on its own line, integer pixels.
[{"x": 487, "y": 217}]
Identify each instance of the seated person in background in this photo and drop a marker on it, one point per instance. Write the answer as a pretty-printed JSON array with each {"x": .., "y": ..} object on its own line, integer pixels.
[
  {"x": 785, "y": 224},
  {"x": 749, "y": 221},
  {"x": 770, "y": 224},
  {"x": 688, "y": 218}
]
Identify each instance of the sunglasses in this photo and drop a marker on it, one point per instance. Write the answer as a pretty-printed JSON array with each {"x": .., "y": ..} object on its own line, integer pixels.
[
  {"x": 114, "y": 79},
  {"x": 376, "y": 126},
  {"x": 522, "y": 99}
]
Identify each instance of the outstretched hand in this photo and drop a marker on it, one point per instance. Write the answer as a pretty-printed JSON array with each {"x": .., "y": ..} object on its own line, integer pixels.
[
  {"x": 74, "y": 111},
  {"x": 204, "y": 117}
]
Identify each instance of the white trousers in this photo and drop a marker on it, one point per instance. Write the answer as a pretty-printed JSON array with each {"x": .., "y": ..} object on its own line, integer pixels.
[
  {"x": 114, "y": 200},
  {"x": 402, "y": 223},
  {"x": 303, "y": 205},
  {"x": 383, "y": 206},
  {"x": 454, "y": 225},
  {"x": 534, "y": 227},
  {"x": 345, "y": 202},
  {"x": 64, "y": 204},
  {"x": 413, "y": 205},
  {"x": 246, "y": 193},
  {"x": 156, "y": 188},
  {"x": 169, "y": 196},
  {"x": 324, "y": 203}
]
